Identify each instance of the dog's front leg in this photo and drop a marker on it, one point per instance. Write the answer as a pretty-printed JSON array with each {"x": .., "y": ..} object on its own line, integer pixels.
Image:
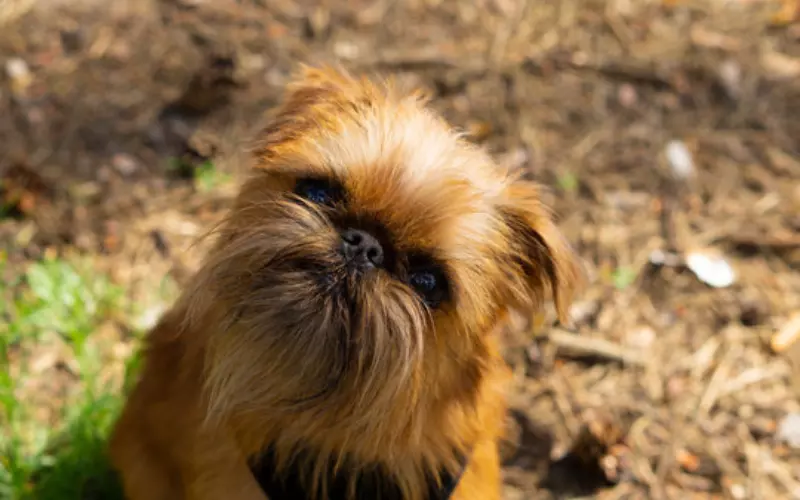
[{"x": 219, "y": 472}]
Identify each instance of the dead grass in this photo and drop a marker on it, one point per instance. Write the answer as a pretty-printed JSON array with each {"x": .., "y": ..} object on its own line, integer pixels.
[{"x": 662, "y": 387}]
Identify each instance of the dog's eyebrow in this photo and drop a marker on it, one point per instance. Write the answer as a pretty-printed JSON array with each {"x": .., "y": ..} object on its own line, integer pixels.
[{"x": 316, "y": 175}]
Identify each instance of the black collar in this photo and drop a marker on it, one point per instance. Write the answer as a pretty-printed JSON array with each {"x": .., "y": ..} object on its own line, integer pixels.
[{"x": 370, "y": 485}]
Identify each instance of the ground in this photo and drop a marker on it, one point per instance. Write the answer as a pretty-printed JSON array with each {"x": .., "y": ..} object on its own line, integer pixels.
[{"x": 120, "y": 123}]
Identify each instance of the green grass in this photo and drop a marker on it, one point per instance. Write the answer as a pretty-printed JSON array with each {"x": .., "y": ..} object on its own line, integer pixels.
[
  {"x": 57, "y": 306},
  {"x": 205, "y": 176},
  {"x": 568, "y": 182},
  {"x": 208, "y": 177},
  {"x": 623, "y": 277}
]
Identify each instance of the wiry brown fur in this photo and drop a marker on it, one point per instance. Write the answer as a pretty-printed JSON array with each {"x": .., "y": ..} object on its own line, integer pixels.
[{"x": 256, "y": 353}]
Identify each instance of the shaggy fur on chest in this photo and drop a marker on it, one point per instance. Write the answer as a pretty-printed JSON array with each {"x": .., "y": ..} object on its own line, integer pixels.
[{"x": 369, "y": 485}]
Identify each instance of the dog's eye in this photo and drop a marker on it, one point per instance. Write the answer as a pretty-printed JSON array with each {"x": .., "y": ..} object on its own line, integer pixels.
[
  {"x": 430, "y": 284},
  {"x": 318, "y": 191},
  {"x": 424, "y": 281}
]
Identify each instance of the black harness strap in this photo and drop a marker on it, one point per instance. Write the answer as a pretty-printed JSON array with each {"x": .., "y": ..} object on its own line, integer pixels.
[{"x": 372, "y": 485}]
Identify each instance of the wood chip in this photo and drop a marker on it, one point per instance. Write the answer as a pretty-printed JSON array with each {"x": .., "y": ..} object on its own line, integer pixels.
[
  {"x": 705, "y": 38},
  {"x": 788, "y": 13},
  {"x": 787, "y": 335},
  {"x": 780, "y": 66},
  {"x": 588, "y": 346},
  {"x": 688, "y": 460}
]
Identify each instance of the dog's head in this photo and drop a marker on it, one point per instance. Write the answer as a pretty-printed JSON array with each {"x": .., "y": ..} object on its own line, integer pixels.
[{"x": 369, "y": 255}]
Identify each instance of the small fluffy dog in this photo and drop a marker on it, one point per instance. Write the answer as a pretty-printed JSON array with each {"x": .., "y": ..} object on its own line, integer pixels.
[{"x": 339, "y": 340}]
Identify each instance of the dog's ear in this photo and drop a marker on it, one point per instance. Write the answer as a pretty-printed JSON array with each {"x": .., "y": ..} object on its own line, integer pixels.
[{"x": 540, "y": 260}]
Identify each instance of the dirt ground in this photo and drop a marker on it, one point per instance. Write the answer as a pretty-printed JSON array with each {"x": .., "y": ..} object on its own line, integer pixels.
[{"x": 663, "y": 386}]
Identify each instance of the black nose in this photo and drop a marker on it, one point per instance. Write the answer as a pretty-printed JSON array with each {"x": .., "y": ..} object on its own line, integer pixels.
[{"x": 361, "y": 248}]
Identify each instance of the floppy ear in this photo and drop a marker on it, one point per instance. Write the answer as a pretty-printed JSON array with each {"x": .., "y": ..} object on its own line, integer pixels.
[{"x": 541, "y": 260}]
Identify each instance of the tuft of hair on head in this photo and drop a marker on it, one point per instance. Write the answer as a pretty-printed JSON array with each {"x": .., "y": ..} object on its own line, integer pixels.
[{"x": 320, "y": 97}]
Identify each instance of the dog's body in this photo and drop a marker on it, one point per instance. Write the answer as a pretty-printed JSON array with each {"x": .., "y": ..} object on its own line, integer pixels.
[{"x": 345, "y": 321}]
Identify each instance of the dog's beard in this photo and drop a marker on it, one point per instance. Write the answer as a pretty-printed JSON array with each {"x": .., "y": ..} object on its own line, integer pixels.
[{"x": 305, "y": 333}]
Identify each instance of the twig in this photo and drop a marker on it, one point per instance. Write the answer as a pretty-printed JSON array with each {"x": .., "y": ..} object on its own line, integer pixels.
[
  {"x": 626, "y": 71},
  {"x": 755, "y": 240},
  {"x": 423, "y": 60},
  {"x": 751, "y": 377},
  {"x": 559, "y": 390},
  {"x": 755, "y": 469},
  {"x": 597, "y": 347},
  {"x": 715, "y": 384},
  {"x": 618, "y": 28},
  {"x": 779, "y": 472}
]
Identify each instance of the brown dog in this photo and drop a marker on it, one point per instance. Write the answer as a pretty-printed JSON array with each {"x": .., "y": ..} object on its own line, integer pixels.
[{"x": 339, "y": 340}]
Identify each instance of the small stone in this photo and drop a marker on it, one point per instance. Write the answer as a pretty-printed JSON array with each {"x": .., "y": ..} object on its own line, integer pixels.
[
  {"x": 534, "y": 353},
  {"x": 641, "y": 338},
  {"x": 17, "y": 68},
  {"x": 676, "y": 386},
  {"x": 789, "y": 430},
  {"x": 19, "y": 74},
  {"x": 738, "y": 491},
  {"x": 680, "y": 159},
  {"x": 627, "y": 95},
  {"x": 346, "y": 50},
  {"x": 730, "y": 75},
  {"x": 125, "y": 164},
  {"x": 611, "y": 467},
  {"x": 583, "y": 311}
]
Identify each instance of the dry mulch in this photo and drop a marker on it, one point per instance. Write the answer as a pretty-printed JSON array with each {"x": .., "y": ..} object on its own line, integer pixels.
[{"x": 662, "y": 386}]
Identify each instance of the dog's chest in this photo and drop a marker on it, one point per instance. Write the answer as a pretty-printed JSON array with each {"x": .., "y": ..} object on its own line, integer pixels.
[{"x": 369, "y": 486}]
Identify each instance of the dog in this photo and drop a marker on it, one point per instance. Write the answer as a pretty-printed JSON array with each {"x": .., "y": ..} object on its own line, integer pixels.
[{"x": 340, "y": 340}]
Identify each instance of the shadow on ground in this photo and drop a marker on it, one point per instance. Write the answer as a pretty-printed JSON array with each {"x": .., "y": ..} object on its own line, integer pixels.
[{"x": 664, "y": 385}]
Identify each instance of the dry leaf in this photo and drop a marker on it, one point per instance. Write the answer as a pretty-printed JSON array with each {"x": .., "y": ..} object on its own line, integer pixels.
[
  {"x": 711, "y": 269},
  {"x": 712, "y": 39},
  {"x": 780, "y": 66},
  {"x": 479, "y": 130},
  {"x": 788, "y": 14}
]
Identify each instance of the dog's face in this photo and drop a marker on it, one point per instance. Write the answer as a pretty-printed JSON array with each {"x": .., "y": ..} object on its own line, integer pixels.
[{"x": 367, "y": 259}]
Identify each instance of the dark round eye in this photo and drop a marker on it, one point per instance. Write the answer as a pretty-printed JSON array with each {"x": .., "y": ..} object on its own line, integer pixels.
[
  {"x": 430, "y": 284},
  {"x": 317, "y": 191},
  {"x": 423, "y": 281}
]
